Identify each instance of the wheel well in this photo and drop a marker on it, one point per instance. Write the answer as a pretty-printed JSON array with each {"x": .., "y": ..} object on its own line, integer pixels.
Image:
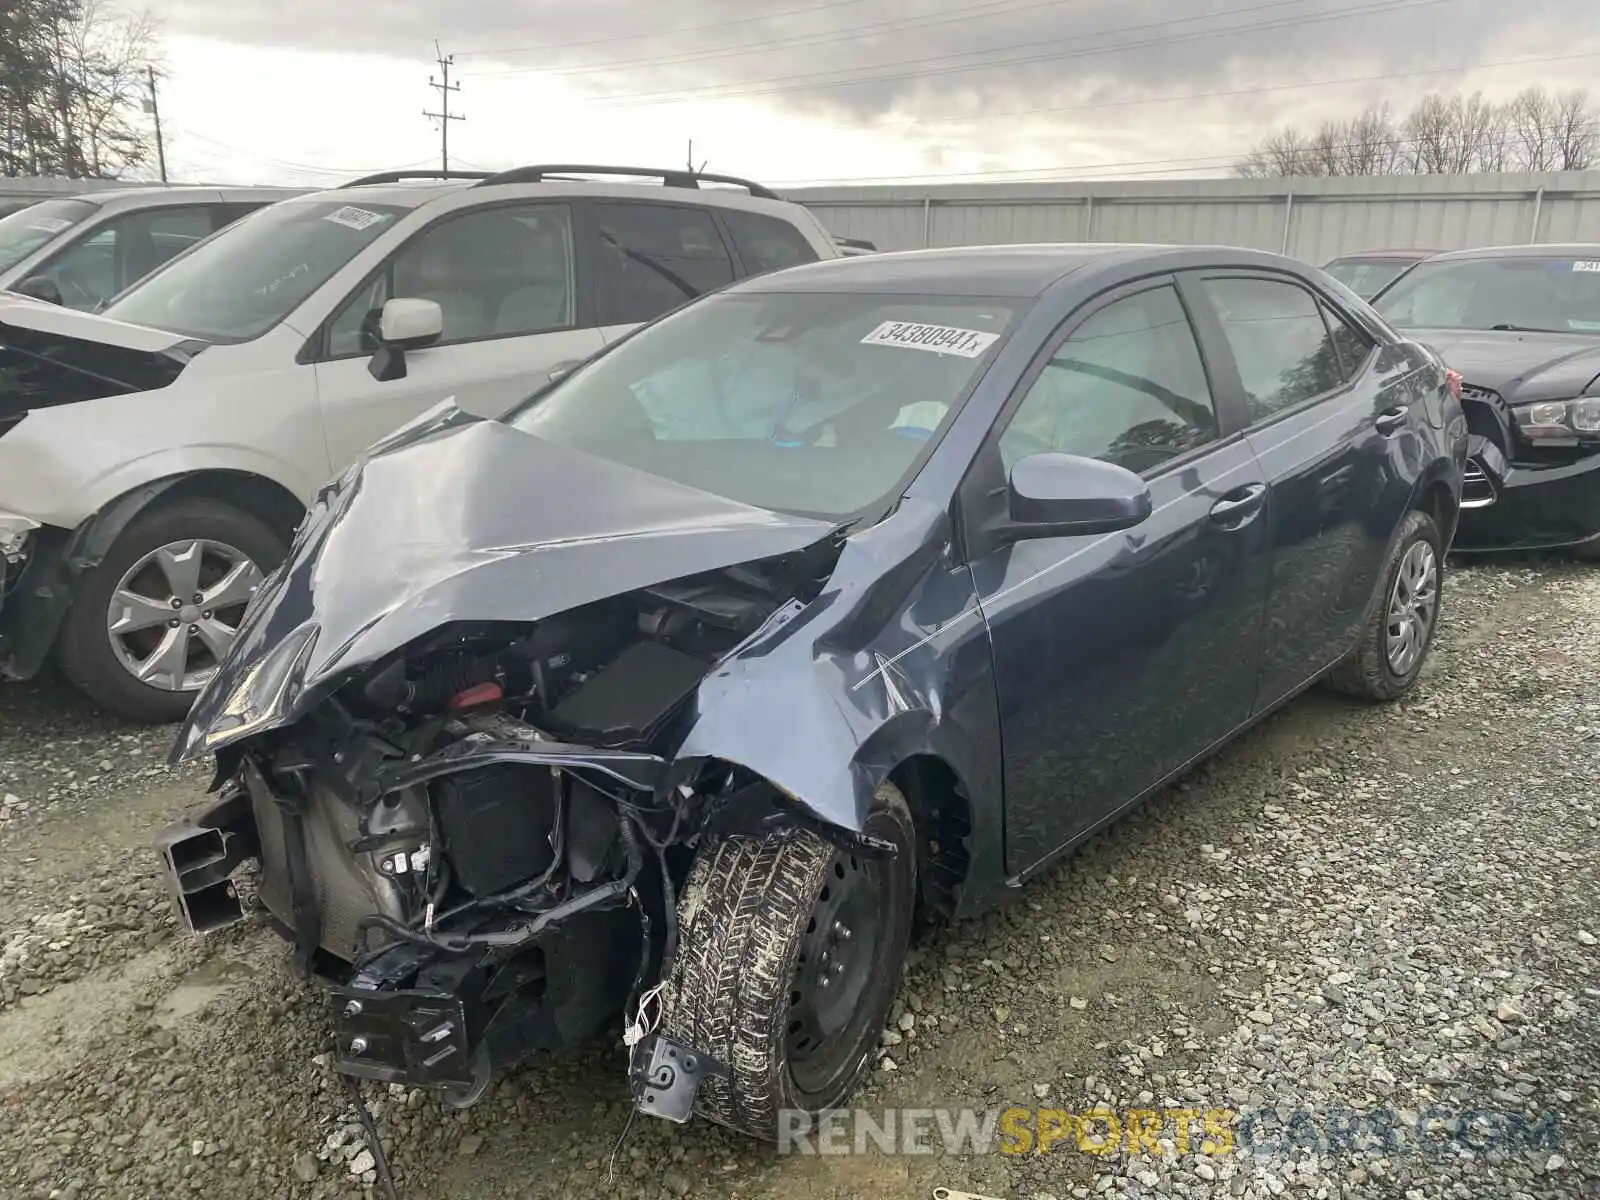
[
  {"x": 1439, "y": 504},
  {"x": 254, "y": 494},
  {"x": 942, "y": 811}
]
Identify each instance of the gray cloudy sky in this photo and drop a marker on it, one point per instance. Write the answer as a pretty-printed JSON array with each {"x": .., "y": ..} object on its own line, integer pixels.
[{"x": 984, "y": 79}]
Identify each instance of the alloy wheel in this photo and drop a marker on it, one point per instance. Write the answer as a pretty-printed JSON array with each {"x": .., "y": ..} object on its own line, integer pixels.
[
  {"x": 176, "y": 612},
  {"x": 1412, "y": 606}
]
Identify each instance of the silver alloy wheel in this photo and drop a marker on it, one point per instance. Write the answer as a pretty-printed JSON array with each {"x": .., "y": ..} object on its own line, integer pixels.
[
  {"x": 177, "y": 610},
  {"x": 1412, "y": 606}
]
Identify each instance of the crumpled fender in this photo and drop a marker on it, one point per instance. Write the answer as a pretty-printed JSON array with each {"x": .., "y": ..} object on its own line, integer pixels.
[{"x": 825, "y": 700}]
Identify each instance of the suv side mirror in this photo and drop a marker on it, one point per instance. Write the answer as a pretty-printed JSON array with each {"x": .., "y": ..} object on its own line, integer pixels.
[
  {"x": 40, "y": 287},
  {"x": 405, "y": 324},
  {"x": 1065, "y": 495}
]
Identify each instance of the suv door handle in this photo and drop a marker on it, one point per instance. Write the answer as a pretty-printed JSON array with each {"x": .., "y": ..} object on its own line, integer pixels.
[
  {"x": 1390, "y": 421},
  {"x": 1235, "y": 508}
]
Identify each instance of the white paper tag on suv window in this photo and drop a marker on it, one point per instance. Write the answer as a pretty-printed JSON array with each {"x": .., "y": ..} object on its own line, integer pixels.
[
  {"x": 1586, "y": 266},
  {"x": 49, "y": 224},
  {"x": 354, "y": 218},
  {"x": 941, "y": 339}
]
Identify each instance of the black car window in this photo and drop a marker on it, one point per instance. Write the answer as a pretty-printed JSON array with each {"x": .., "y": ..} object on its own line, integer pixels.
[
  {"x": 1284, "y": 351},
  {"x": 766, "y": 243},
  {"x": 1366, "y": 277},
  {"x": 496, "y": 272},
  {"x": 654, "y": 257},
  {"x": 1354, "y": 346},
  {"x": 123, "y": 251},
  {"x": 1127, "y": 387}
]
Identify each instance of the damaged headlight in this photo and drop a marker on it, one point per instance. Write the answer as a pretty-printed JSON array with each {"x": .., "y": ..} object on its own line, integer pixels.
[
  {"x": 1559, "y": 421},
  {"x": 14, "y": 534},
  {"x": 260, "y": 696}
]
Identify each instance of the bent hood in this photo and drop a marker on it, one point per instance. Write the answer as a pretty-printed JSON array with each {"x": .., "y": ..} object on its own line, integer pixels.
[
  {"x": 456, "y": 518},
  {"x": 108, "y": 358},
  {"x": 1522, "y": 367}
]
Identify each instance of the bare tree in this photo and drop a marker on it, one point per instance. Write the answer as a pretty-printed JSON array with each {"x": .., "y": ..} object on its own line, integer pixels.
[
  {"x": 1576, "y": 131},
  {"x": 71, "y": 75},
  {"x": 1442, "y": 134}
]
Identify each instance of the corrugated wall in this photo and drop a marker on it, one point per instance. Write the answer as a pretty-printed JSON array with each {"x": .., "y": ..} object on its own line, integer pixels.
[{"x": 1314, "y": 219}]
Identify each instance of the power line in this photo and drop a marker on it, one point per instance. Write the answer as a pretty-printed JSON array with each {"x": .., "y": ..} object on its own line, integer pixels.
[
  {"x": 155, "y": 112},
  {"x": 1098, "y": 105},
  {"x": 814, "y": 81},
  {"x": 634, "y": 37},
  {"x": 444, "y": 116},
  {"x": 1004, "y": 8}
]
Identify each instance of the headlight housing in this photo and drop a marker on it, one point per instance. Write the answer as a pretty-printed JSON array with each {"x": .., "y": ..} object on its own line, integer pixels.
[
  {"x": 15, "y": 531},
  {"x": 1560, "y": 421}
]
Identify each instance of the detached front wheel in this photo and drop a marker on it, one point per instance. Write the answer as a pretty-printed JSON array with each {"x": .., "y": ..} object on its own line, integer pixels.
[{"x": 789, "y": 958}]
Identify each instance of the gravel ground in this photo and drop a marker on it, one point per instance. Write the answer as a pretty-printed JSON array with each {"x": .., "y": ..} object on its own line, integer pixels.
[{"x": 1389, "y": 910}]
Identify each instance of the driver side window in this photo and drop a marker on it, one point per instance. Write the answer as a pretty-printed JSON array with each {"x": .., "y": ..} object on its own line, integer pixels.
[{"x": 1127, "y": 387}]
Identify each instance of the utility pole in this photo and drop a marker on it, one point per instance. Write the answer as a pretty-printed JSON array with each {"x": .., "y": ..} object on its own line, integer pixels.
[
  {"x": 444, "y": 116},
  {"x": 155, "y": 111}
]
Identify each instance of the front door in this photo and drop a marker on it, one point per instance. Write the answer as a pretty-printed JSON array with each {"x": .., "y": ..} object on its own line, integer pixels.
[
  {"x": 505, "y": 278},
  {"x": 1120, "y": 658},
  {"x": 1334, "y": 429}
]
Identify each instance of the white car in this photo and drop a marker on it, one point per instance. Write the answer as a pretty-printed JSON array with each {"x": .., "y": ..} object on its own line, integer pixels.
[
  {"x": 155, "y": 459},
  {"x": 80, "y": 251}
]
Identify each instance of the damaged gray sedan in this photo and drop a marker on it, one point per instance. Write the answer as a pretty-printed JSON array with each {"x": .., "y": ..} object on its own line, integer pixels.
[{"x": 848, "y": 596}]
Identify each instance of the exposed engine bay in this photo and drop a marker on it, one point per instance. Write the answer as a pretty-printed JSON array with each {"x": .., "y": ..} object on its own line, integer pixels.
[{"x": 476, "y": 842}]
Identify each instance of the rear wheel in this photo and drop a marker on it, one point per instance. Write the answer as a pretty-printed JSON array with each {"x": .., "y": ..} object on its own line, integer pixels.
[
  {"x": 1399, "y": 627},
  {"x": 151, "y": 623},
  {"x": 789, "y": 958}
]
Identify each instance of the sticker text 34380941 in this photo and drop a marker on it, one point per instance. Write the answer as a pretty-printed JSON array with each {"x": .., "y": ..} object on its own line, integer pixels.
[{"x": 941, "y": 339}]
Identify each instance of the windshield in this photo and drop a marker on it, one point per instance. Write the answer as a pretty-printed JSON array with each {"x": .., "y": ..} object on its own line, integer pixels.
[
  {"x": 1366, "y": 276},
  {"x": 1556, "y": 295},
  {"x": 26, "y": 230},
  {"x": 243, "y": 280},
  {"x": 806, "y": 403}
]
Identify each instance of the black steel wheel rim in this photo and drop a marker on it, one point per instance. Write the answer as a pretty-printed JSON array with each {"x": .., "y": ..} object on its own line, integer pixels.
[{"x": 840, "y": 976}]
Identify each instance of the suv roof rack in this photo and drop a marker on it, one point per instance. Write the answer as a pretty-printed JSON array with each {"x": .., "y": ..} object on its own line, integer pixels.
[
  {"x": 401, "y": 176},
  {"x": 669, "y": 178}
]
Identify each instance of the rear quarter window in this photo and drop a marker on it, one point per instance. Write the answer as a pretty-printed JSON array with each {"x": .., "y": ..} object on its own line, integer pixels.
[{"x": 766, "y": 243}]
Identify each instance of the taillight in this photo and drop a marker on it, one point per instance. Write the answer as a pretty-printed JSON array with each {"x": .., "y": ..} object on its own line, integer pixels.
[{"x": 1452, "y": 380}]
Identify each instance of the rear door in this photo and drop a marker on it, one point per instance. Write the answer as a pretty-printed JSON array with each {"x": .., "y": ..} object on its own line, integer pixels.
[
  {"x": 1119, "y": 659},
  {"x": 1338, "y": 434},
  {"x": 515, "y": 309}
]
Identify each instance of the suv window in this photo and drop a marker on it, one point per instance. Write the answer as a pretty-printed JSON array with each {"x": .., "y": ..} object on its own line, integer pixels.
[
  {"x": 765, "y": 243},
  {"x": 654, "y": 257},
  {"x": 122, "y": 251},
  {"x": 1127, "y": 387},
  {"x": 505, "y": 271},
  {"x": 1282, "y": 347}
]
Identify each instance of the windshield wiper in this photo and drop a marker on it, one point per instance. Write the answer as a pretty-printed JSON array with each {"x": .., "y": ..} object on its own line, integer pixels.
[{"x": 1509, "y": 328}]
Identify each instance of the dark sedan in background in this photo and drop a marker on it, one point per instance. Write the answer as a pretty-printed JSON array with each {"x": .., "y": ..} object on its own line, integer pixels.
[
  {"x": 848, "y": 590},
  {"x": 1522, "y": 326},
  {"x": 1368, "y": 273}
]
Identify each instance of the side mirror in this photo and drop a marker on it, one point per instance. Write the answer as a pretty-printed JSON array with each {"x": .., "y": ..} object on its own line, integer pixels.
[
  {"x": 40, "y": 287},
  {"x": 1065, "y": 495},
  {"x": 405, "y": 324}
]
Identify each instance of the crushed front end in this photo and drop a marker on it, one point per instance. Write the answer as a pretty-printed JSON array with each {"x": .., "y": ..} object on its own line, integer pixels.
[{"x": 473, "y": 844}]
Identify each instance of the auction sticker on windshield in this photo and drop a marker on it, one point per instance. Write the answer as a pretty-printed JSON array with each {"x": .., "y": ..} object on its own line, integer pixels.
[
  {"x": 1586, "y": 266},
  {"x": 941, "y": 339},
  {"x": 353, "y": 217}
]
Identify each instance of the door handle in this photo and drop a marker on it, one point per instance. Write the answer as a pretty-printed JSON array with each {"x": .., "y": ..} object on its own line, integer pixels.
[
  {"x": 1390, "y": 421},
  {"x": 563, "y": 368},
  {"x": 1239, "y": 505}
]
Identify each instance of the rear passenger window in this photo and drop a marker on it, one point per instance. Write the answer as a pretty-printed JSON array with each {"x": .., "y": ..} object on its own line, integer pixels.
[
  {"x": 766, "y": 243},
  {"x": 654, "y": 257},
  {"x": 1284, "y": 351},
  {"x": 1353, "y": 345}
]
